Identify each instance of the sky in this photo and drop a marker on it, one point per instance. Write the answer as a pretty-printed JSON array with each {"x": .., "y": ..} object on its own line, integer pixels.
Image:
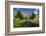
[{"x": 26, "y": 10}]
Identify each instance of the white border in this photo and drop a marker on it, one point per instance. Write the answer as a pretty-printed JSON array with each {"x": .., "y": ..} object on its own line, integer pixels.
[{"x": 25, "y": 29}]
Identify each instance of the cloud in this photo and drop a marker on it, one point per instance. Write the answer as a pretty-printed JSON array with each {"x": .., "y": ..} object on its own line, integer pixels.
[{"x": 35, "y": 12}]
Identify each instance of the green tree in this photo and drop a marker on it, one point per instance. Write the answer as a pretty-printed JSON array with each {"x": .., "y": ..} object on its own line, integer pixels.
[
  {"x": 19, "y": 15},
  {"x": 32, "y": 16}
]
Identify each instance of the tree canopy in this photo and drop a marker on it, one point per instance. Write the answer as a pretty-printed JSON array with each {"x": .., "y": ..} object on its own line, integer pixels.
[{"x": 19, "y": 15}]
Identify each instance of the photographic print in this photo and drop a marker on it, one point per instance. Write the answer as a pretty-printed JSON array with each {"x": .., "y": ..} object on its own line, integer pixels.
[{"x": 25, "y": 17}]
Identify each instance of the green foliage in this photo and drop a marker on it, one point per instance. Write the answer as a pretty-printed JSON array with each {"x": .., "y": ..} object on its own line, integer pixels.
[
  {"x": 25, "y": 17},
  {"x": 18, "y": 20},
  {"x": 32, "y": 16},
  {"x": 19, "y": 15}
]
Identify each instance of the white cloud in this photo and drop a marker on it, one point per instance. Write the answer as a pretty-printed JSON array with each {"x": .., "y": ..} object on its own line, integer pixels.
[{"x": 36, "y": 12}]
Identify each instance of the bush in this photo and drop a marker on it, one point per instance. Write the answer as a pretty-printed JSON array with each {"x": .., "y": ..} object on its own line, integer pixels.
[
  {"x": 16, "y": 22},
  {"x": 25, "y": 17},
  {"x": 29, "y": 24}
]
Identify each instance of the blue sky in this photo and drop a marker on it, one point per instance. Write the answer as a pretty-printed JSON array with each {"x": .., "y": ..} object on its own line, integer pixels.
[{"x": 26, "y": 10}]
